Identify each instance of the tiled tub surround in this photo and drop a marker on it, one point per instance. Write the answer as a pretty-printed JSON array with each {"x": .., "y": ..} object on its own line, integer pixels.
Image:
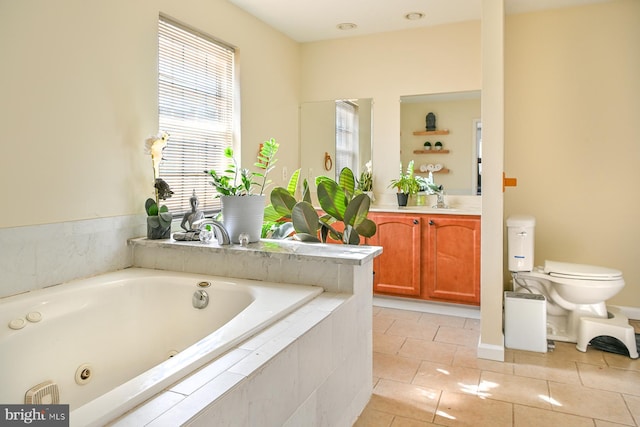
[
  {"x": 86, "y": 324},
  {"x": 37, "y": 256},
  {"x": 312, "y": 368}
]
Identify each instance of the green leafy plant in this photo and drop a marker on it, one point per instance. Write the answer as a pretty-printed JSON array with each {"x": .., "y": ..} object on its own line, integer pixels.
[
  {"x": 365, "y": 183},
  {"x": 236, "y": 181},
  {"x": 407, "y": 182},
  {"x": 343, "y": 204}
]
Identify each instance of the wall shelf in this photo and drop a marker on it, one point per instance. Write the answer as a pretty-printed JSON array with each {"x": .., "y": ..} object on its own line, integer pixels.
[
  {"x": 432, "y": 132},
  {"x": 430, "y": 151},
  {"x": 443, "y": 170}
]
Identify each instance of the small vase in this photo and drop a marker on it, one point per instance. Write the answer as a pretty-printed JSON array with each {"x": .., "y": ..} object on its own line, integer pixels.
[
  {"x": 402, "y": 199},
  {"x": 155, "y": 232}
]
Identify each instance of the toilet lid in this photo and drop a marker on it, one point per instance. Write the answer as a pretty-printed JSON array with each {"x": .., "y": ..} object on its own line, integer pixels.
[{"x": 580, "y": 271}]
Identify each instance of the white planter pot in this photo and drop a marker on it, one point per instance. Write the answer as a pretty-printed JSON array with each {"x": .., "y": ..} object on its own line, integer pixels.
[{"x": 243, "y": 214}]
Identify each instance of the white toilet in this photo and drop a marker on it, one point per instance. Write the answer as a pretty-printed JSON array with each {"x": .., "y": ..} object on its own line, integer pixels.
[{"x": 575, "y": 293}]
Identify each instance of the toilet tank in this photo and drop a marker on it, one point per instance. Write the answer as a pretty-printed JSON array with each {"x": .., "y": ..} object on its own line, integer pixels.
[{"x": 520, "y": 242}]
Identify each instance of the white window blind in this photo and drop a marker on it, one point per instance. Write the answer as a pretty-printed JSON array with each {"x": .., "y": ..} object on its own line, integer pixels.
[
  {"x": 196, "y": 88},
  {"x": 346, "y": 136}
]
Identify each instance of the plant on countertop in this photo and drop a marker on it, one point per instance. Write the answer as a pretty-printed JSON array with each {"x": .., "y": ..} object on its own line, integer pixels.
[
  {"x": 158, "y": 217},
  {"x": 236, "y": 181},
  {"x": 341, "y": 201},
  {"x": 407, "y": 182},
  {"x": 365, "y": 183}
]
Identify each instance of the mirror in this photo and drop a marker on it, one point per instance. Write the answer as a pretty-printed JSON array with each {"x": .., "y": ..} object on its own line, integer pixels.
[
  {"x": 333, "y": 135},
  {"x": 457, "y": 161}
]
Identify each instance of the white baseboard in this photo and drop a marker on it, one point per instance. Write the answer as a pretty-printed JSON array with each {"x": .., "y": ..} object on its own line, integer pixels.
[
  {"x": 490, "y": 351},
  {"x": 427, "y": 306}
]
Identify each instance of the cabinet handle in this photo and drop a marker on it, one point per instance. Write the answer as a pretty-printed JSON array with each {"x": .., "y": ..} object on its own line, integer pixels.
[
  {"x": 431, "y": 222},
  {"x": 416, "y": 222}
]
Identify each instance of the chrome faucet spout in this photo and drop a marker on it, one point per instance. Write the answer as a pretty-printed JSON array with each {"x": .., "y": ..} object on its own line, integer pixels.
[{"x": 221, "y": 233}]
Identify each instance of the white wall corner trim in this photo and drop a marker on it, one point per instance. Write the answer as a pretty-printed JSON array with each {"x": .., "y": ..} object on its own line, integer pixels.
[{"x": 490, "y": 351}]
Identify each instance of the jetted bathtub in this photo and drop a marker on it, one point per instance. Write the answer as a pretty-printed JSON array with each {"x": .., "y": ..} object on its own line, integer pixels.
[{"x": 109, "y": 342}]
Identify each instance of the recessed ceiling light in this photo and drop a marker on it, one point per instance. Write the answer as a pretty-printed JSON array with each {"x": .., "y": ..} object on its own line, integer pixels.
[
  {"x": 346, "y": 26},
  {"x": 414, "y": 16}
]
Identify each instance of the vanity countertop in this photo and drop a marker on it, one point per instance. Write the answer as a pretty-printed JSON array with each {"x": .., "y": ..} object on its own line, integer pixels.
[{"x": 426, "y": 210}]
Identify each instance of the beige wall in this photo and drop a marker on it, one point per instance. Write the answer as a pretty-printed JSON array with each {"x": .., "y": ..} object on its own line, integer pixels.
[
  {"x": 79, "y": 96},
  {"x": 572, "y": 103}
]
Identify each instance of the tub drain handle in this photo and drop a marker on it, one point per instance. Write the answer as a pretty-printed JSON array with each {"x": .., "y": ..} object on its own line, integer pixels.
[{"x": 200, "y": 299}]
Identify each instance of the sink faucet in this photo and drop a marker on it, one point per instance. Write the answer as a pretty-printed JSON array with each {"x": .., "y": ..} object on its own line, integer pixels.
[{"x": 221, "y": 233}]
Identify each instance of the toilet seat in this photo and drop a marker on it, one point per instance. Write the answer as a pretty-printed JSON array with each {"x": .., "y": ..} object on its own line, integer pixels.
[{"x": 565, "y": 270}]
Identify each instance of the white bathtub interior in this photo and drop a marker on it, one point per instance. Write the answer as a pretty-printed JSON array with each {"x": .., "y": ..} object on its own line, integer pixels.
[{"x": 128, "y": 334}]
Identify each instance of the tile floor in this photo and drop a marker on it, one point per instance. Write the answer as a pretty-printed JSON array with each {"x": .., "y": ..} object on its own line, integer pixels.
[{"x": 426, "y": 373}]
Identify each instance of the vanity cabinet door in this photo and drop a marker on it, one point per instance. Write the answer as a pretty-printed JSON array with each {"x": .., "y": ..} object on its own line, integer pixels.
[
  {"x": 451, "y": 259},
  {"x": 397, "y": 269}
]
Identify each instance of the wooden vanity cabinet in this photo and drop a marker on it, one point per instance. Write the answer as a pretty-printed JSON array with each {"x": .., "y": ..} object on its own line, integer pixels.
[
  {"x": 397, "y": 270},
  {"x": 430, "y": 257}
]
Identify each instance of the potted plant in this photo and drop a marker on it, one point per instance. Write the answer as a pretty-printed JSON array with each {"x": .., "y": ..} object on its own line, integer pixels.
[
  {"x": 242, "y": 207},
  {"x": 365, "y": 183},
  {"x": 158, "y": 217},
  {"x": 406, "y": 184},
  {"x": 346, "y": 209}
]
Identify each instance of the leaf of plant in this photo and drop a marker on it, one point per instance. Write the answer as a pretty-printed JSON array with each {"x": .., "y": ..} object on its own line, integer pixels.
[
  {"x": 308, "y": 238},
  {"x": 366, "y": 228},
  {"x": 306, "y": 194},
  {"x": 357, "y": 210},
  {"x": 332, "y": 199},
  {"x": 282, "y": 231},
  {"x": 151, "y": 207},
  {"x": 347, "y": 181},
  {"x": 282, "y": 201},
  {"x": 293, "y": 182},
  {"x": 165, "y": 219},
  {"x": 271, "y": 215},
  {"x": 305, "y": 218}
]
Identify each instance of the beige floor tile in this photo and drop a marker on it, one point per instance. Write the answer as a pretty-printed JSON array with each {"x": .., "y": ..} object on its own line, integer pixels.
[
  {"x": 459, "y": 409},
  {"x": 383, "y": 343},
  {"x": 392, "y": 367},
  {"x": 428, "y": 350},
  {"x": 587, "y": 402},
  {"x": 459, "y": 336},
  {"x": 467, "y": 357},
  {"x": 406, "y": 400},
  {"x": 395, "y": 313},
  {"x": 413, "y": 329},
  {"x": 621, "y": 362},
  {"x": 568, "y": 352},
  {"x": 442, "y": 320},
  {"x": 381, "y": 323},
  {"x": 611, "y": 379},
  {"x": 373, "y": 418},
  {"x": 633, "y": 403},
  {"x": 472, "y": 324},
  {"x": 525, "y": 416},
  {"x": 514, "y": 389},
  {"x": 408, "y": 422},
  {"x": 447, "y": 377},
  {"x": 600, "y": 423},
  {"x": 546, "y": 368}
]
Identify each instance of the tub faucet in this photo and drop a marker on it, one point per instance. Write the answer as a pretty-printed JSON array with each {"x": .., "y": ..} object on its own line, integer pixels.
[{"x": 221, "y": 233}]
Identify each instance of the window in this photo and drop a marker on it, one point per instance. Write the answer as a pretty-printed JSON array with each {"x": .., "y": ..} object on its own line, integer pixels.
[
  {"x": 196, "y": 107},
  {"x": 346, "y": 136}
]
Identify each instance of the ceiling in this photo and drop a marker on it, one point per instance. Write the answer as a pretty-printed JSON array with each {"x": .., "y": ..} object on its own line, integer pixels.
[{"x": 314, "y": 20}]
